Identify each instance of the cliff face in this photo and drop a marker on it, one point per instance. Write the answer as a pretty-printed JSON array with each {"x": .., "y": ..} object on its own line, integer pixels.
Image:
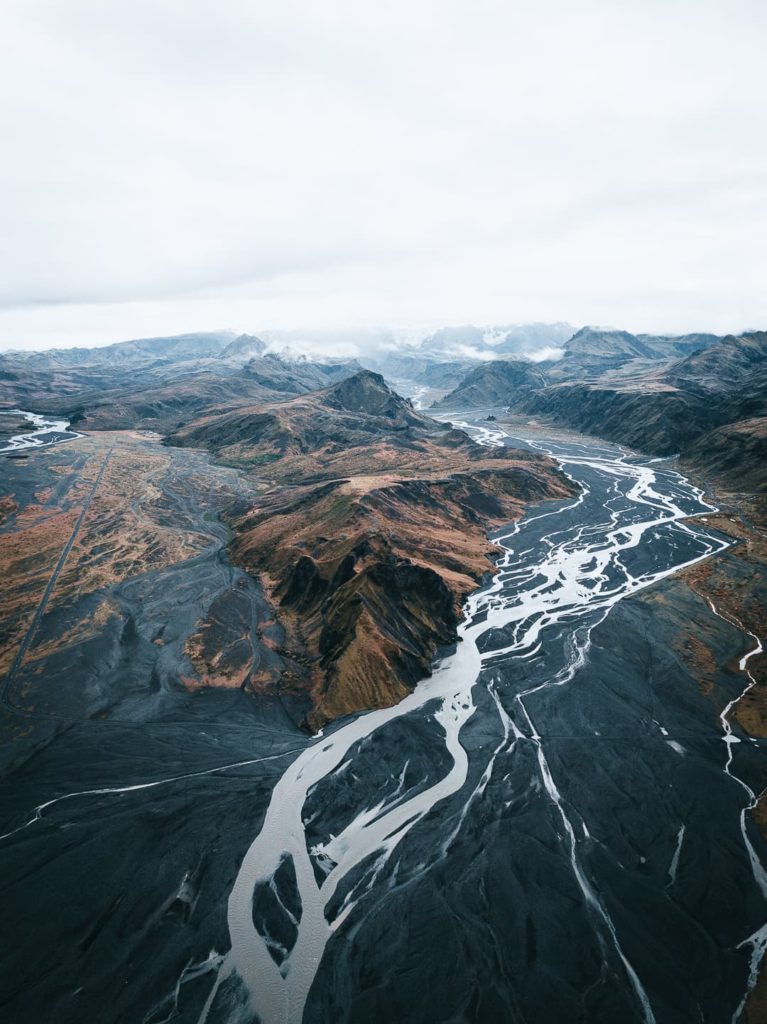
[
  {"x": 709, "y": 406},
  {"x": 654, "y": 417},
  {"x": 684, "y": 409}
]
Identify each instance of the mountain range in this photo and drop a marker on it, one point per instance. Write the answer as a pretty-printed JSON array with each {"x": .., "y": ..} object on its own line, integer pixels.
[
  {"x": 701, "y": 397},
  {"x": 658, "y": 393},
  {"x": 158, "y": 383}
]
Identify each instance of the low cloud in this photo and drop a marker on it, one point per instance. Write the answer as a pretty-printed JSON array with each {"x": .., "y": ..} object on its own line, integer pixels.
[
  {"x": 397, "y": 164},
  {"x": 544, "y": 354}
]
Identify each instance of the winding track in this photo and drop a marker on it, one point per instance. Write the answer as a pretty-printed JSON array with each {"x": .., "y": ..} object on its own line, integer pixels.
[{"x": 578, "y": 575}]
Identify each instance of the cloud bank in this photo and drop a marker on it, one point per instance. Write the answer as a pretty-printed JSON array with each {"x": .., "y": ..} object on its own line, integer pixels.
[{"x": 184, "y": 166}]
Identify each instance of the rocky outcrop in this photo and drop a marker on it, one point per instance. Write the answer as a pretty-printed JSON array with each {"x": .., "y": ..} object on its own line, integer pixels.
[
  {"x": 138, "y": 352},
  {"x": 656, "y": 419},
  {"x": 243, "y": 348},
  {"x": 368, "y": 393},
  {"x": 158, "y": 384},
  {"x": 607, "y": 359}
]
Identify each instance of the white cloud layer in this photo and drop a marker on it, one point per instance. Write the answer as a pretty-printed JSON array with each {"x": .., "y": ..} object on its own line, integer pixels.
[{"x": 174, "y": 165}]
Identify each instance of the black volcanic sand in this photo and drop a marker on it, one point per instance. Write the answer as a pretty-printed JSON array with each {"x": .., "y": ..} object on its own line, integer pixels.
[
  {"x": 497, "y": 930},
  {"x": 496, "y": 927},
  {"x": 109, "y": 896},
  {"x": 115, "y": 902}
]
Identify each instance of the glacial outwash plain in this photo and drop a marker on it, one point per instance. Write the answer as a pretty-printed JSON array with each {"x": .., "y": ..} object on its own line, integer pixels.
[{"x": 424, "y": 687}]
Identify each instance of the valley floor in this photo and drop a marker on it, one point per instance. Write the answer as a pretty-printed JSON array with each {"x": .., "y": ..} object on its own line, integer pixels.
[{"x": 133, "y": 789}]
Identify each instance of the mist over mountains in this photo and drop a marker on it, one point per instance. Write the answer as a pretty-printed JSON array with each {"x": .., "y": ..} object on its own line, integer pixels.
[
  {"x": 467, "y": 341},
  {"x": 654, "y": 392}
]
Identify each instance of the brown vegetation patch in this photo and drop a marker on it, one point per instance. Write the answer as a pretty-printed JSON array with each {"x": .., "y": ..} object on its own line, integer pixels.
[
  {"x": 126, "y": 531},
  {"x": 369, "y": 573},
  {"x": 28, "y": 555}
]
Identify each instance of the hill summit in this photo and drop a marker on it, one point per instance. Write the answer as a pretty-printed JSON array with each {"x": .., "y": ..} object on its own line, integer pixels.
[{"x": 367, "y": 392}]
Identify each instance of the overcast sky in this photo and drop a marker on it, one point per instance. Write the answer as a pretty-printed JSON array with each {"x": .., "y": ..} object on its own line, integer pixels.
[{"x": 175, "y": 165}]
